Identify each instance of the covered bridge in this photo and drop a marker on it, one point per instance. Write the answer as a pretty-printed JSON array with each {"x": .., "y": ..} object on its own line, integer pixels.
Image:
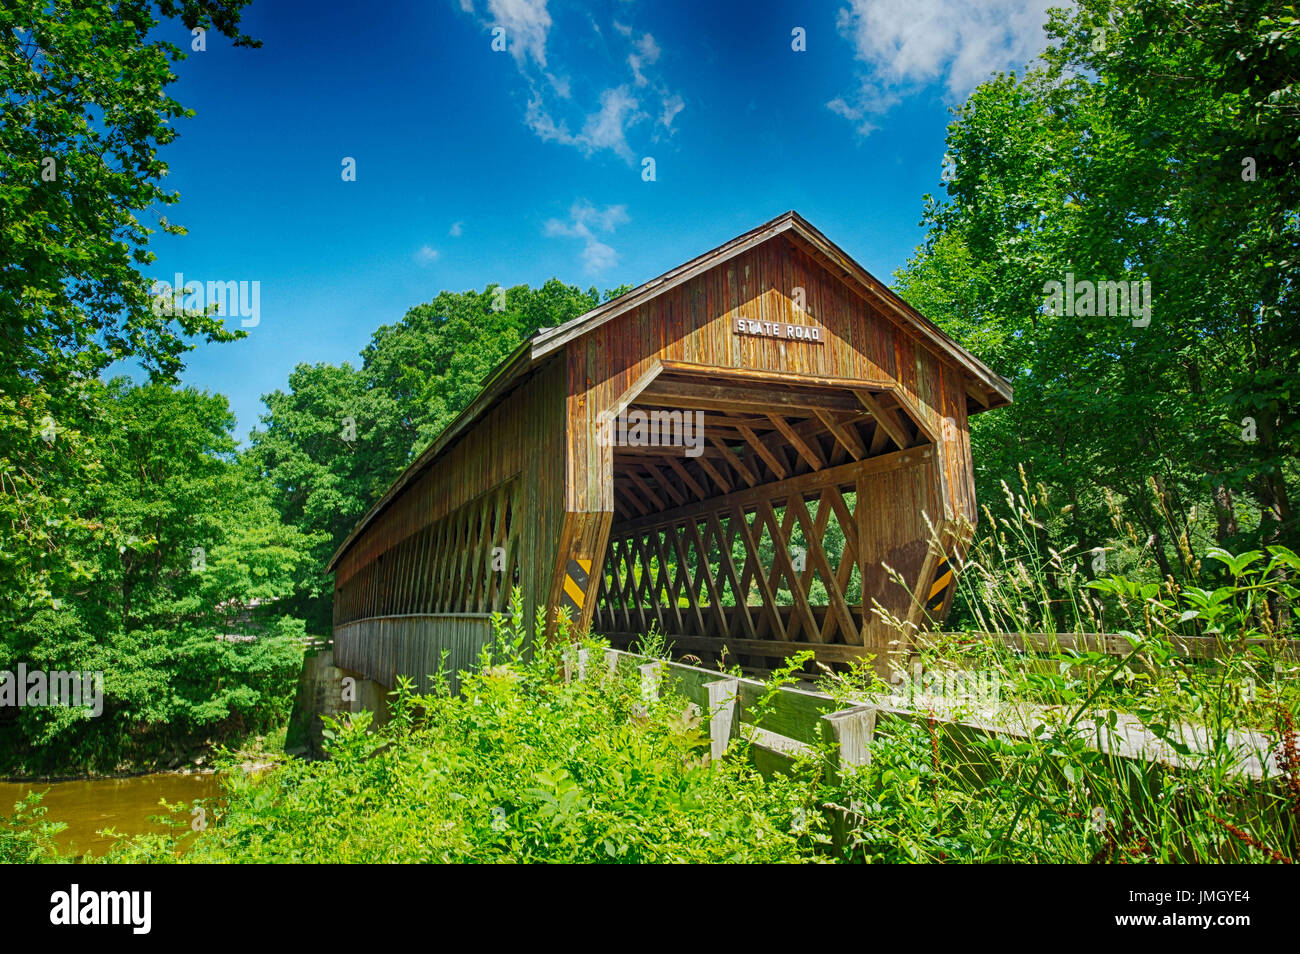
[{"x": 732, "y": 453}]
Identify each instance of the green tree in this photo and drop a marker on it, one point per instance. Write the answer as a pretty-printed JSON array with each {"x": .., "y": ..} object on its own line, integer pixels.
[
  {"x": 178, "y": 596},
  {"x": 1120, "y": 159},
  {"x": 82, "y": 117}
]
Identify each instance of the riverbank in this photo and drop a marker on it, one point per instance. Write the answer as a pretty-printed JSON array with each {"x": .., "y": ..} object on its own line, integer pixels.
[
  {"x": 127, "y": 803},
  {"x": 123, "y": 805}
]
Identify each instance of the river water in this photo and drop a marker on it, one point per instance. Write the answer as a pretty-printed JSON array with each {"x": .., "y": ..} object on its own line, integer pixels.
[{"x": 123, "y": 804}]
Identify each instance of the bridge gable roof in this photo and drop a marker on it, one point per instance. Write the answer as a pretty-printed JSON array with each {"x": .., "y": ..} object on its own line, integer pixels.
[{"x": 548, "y": 343}]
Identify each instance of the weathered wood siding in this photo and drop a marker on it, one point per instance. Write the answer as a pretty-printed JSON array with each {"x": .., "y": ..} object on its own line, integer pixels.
[
  {"x": 384, "y": 648},
  {"x": 695, "y": 323},
  {"x": 702, "y": 546},
  {"x": 500, "y": 485}
]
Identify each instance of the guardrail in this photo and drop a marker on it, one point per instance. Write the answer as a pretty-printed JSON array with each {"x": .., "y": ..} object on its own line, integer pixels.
[
  {"x": 796, "y": 719},
  {"x": 1114, "y": 644}
]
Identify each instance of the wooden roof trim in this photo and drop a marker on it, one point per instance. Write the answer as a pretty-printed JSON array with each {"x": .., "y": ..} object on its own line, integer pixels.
[
  {"x": 494, "y": 386},
  {"x": 909, "y": 316},
  {"x": 813, "y": 240},
  {"x": 544, "y": 342}
]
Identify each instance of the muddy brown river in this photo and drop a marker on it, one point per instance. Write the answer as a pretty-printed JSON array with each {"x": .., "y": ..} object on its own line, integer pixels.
[{"x": 123, "y": 804}]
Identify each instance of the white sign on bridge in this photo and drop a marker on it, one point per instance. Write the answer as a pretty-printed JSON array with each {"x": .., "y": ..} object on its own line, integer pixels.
[{"x": 779, "y": 329}]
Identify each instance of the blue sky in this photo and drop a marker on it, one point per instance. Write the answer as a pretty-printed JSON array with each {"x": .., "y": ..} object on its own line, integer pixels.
[{"x": 475, "y": 165}]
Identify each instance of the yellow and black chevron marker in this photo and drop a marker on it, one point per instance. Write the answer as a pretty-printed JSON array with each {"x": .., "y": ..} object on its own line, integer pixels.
[
  {"x": 939, "y": 588},
  {"x": 574, "y": 595}
]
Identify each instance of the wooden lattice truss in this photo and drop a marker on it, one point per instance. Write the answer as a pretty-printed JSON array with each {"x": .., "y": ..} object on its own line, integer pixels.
[
  {"x": 771, "y": 539},
  {"x": 466, "y": 562}
]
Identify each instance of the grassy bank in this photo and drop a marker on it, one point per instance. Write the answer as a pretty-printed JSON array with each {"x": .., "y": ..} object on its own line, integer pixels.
[{"x": 524, "y": 766}]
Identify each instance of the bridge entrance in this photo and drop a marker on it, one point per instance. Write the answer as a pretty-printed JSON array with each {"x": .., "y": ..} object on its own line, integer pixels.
[{"x": 738, "y": 528}]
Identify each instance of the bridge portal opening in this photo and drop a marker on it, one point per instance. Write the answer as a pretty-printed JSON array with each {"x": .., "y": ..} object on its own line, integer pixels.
[{"x": 753, "y": 517}]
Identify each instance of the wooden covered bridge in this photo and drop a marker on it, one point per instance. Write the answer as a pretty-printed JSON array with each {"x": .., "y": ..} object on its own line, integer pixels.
[{"x": 732, "y": 452}]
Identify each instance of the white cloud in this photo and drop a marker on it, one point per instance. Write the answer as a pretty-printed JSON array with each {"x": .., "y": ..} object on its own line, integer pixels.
[
  {"x": 526, "y": 23},
  {"x": 593, "y": 103},
  {"x": 585, "y": 221},
  {"x": 649, "y": 48},
  {"x": 604, "y": 129},
  {"x": 673, "y": 105},
  {"x": 457, "y": 228},
  {"x": 598, "y": 257},
  {"x": 426, "y": 255},
  {"x": 906, "y": 44},
  {"x": 647, "y": 52},
  {"x": 561, "y": 84}
]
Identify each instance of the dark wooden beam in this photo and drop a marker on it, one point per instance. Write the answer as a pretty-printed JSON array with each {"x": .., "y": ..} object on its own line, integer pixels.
[
  {"x": 747, "y": 475},
  {"x": 742, "y": 399},
  {"x": 779, "y": 490},
  {"x": 774, "y": 648},
  {"x": 846, "y": 435},
  {"x": 645, "y": 489},
  {"x": 885, "y": 418},
  {"x": 764, "y": 452},
  {"x": 713, "y": 472},
  {"x": 664, "y": 483},
  {"x": 686, "y": 477},
  {"x": 805, "y": 447}
]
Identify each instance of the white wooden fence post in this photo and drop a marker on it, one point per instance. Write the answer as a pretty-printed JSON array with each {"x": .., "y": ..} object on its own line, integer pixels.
[
  {"x": 575, "y": 663},
  {"x": 852, "y": 730},
  {"x": 723, "y": 702},
  {"x": 651, "y": 674}
]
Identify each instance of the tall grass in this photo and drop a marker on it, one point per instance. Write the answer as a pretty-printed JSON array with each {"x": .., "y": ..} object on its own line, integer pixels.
[{"x": 1068, "y": 785}]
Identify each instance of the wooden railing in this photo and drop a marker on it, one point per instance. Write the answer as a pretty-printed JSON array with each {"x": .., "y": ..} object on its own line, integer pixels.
[
  {"x": 794, "y": 720},
  {"x": 384, "y": 647},
  {"x": 1114, "y": 644}
]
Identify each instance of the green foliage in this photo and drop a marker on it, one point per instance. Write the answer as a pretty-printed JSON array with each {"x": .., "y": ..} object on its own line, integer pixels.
[
  {"x": 521, "y": 767},
  {"x": 1121, "y": 159},
  {"x": 72, "y": 298},
  {"x": 104, "y": 491},
  {"x": 936, "y": 791},
  {"x": 78, "y": 166},
  {"x": 174, "y": 597},
  {"x": 26, "y": 837},
  {"x": 524, "y": 766}
]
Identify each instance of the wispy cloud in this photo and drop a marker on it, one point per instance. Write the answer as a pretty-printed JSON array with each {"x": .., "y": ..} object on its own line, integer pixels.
[
  {"x": 606, "y": 128},
  {"x": 457, "y": 229},
  {"x": 585, "y": 221},
  {"x": 647, "y": 52},
  {"x": 527, "y": 24},
  {"x": 426, "y": 255},
  {"x": 908, "y": 44},
  {"x": 593, "y": 96}
]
